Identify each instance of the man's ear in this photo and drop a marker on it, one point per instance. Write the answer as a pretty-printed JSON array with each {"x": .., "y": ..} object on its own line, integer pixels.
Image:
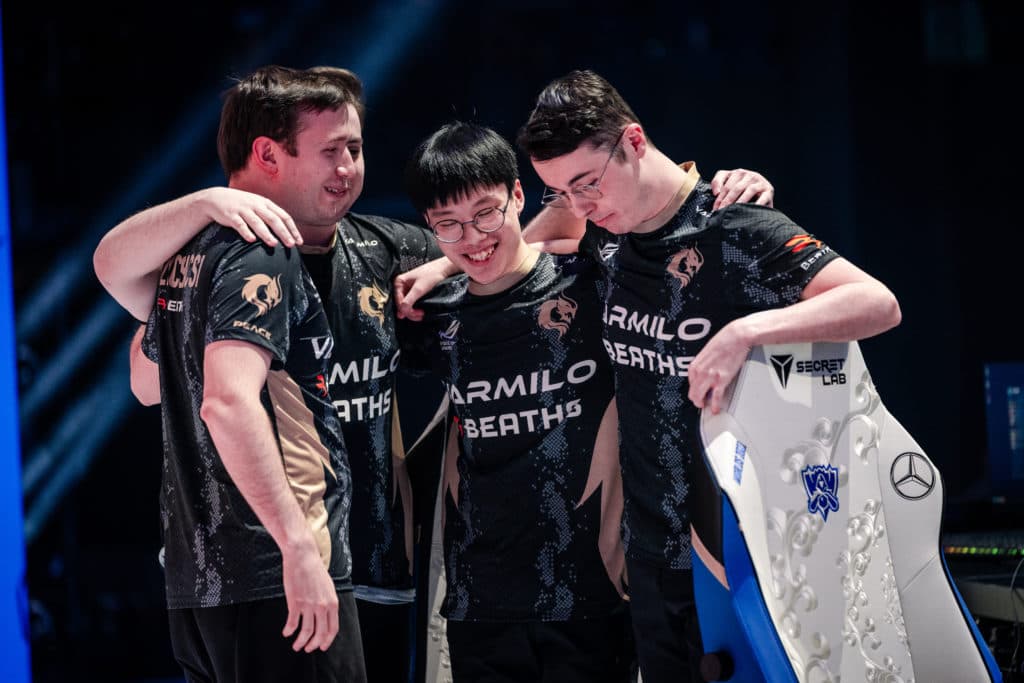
[
  {"x": 518, "y": 196},
  {"x": 264, "y": 154},
  {"x": 634, "y": 138}
]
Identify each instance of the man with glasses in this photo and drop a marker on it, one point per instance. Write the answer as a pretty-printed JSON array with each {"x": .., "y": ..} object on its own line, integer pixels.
[
  {"x": 353, "y": 267},
  {"x": 532, "y": 490},
  {"x": 689, "y": 291}
]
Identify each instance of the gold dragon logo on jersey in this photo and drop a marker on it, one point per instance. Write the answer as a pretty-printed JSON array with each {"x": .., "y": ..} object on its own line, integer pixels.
[
  {"x": 685, "y": 264},
  {"x": 262, "y": 291},
  {"x": 372, "y": 301},
  {"x": 557, "y": 314}
]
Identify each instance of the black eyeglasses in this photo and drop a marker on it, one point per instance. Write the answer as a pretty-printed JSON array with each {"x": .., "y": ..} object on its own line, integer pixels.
[
  {"x": 560, "y": 200},
  {"x": 450, "y": 230}
]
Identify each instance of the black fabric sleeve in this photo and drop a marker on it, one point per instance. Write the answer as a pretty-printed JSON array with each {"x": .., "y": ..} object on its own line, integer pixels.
[{"x": 254, "y": 290}]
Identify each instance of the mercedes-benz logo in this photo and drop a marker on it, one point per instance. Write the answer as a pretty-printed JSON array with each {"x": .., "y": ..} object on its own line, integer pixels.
[{"x": 912, "y": 476}]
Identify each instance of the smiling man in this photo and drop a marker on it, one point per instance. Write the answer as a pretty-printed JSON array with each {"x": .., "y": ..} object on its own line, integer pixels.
[
  {"x": 532, "y": 492},
  {"x": 689, "y": 291},
  {"x": 352, "y": 259},
  {"x": 256, "y": 486}
]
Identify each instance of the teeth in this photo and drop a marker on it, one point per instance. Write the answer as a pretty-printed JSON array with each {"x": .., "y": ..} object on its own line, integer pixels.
[{"x": 481, "y": 255}]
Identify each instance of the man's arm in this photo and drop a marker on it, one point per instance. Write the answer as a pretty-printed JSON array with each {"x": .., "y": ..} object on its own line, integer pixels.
[
  {"x": 235, "y": 372},
  {"x": 840, "y": 303},
  {"x": 740, "y": 186},
  {"x": 557, "y": 231},
  {"x": 145, "y": 374},
  {"x": 128, "y": 259}
]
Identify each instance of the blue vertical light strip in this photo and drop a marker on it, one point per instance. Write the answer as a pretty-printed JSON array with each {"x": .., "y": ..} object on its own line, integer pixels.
[{"x": 13, "y": 594}]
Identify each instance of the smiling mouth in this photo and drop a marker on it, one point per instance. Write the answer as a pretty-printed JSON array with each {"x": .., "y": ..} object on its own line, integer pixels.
[
  {"x": 340, "y": 190},
  {"x": 482, "y": 255}
]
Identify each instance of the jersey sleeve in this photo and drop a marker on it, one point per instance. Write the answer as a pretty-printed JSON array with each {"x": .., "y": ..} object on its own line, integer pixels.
[
  {"x": 425, "y": 344},
  {"x": 770, "y": 258},
  {"x": 255, "y": 292},
  {"x": 414, "y": 340},
  {"x": 414, "y": 244},
  {"x": 149, "y": 347}
]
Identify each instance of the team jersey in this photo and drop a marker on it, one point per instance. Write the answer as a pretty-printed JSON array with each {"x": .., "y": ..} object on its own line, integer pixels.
[
  {"x": 533, "y": 499},
  {"x": 354, "y": 276},
  {"x": 669, "y": 291},
  {"x": 218, "y": 287}
]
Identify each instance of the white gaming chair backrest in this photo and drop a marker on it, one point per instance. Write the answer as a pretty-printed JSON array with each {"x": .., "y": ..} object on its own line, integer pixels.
[{"x": 840, "y": 512}]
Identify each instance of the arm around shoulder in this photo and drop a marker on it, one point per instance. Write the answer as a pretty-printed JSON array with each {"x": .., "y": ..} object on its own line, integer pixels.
[
  {"x": 128, "y": 259},
  {"x": 145, "y": 374}
]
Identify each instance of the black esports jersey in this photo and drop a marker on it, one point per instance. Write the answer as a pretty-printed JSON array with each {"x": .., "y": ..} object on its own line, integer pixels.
[
  {"x": 219, "y": 287},
  {"x": 354, "y": 277},
  {"x": 533, "y": 500},
  {"x": 669, "y": 291}
]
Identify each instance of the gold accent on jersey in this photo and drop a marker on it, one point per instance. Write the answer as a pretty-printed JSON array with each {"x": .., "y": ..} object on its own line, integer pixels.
[
  {"x": 685, "y": 265},
  {"x": 372, "y": 300},
  {"x": 262, "y": 291},
  {"x": 557, "y": 314}
]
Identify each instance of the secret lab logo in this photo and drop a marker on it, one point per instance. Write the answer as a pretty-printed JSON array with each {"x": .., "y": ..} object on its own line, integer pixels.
[
  {"x": 829, "y": 369},
  {"x": 782, "y": 365}
]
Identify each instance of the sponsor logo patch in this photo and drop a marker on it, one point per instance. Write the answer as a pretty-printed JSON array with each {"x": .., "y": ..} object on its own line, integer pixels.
[
  {"x": 821, "y": 482},
  {"x": 372, "y": 301},
  {"x": 557, "y": 314},
  {"x": 262, "y": 291},
  {"x": 685, "y": 265}
]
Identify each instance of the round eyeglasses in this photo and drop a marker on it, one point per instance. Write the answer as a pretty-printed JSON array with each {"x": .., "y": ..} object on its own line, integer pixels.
[
  {"x": 491, "y": 219},
  {"x": 560, "y": 200}
]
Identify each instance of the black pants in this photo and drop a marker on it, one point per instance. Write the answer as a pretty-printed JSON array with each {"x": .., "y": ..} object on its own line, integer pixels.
[
  {"x": 243, "y": 644},
  {"x": 386, "y": 638},
  {"x": 586, "y": 651},
  {"x": 665, "y": 626}
]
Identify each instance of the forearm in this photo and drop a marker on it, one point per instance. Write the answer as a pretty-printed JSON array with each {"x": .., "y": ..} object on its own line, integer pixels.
[
  {"x": 128, "y": 259},
  {"x": 244, "y": 438},
  {"x": 145, "y": 374},
  {"x": 557, "y": 226},
  {"x": 847, "y": 312}
]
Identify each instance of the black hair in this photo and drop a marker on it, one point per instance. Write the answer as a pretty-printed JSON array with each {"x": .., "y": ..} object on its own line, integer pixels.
[
  {"x": 580, "y": 107},
  {"x": 456, "y": 160}
]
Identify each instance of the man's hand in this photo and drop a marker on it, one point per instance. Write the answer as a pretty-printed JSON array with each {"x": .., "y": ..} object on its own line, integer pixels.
[
  {"x": 251, "y": 215},
  {"x": 312, "y": 600},
  {"x": 413, "y": 284},
  {"x": 234, "y": 374},
  {"x": 716, "y": 366},
  {"x": 741, "y": 186}
]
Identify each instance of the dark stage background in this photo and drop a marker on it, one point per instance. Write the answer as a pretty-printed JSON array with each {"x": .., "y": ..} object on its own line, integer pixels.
[{"x": 890, "y": 131}]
